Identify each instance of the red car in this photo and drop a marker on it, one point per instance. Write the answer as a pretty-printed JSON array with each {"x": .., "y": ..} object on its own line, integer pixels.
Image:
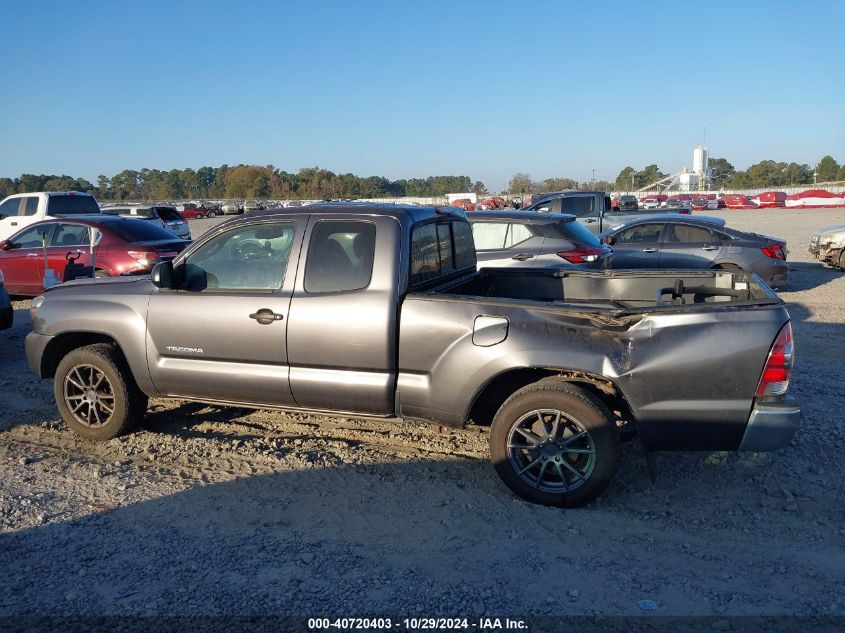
[
  {"x": 123, "y": 246},
  {"x": 191, "y": 210}
]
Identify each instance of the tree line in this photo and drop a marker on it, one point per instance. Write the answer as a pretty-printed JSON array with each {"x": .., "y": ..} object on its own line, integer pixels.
[
  {"x": 241, "y": 181},
  {"x": 766, "y": 173}
]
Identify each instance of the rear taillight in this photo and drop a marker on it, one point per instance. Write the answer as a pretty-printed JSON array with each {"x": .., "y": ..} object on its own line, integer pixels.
[
  {"x": 775, "y": 251},
  {"x": 775, "y": 378},
  {"x": 582, "y": 254},
  {"x": 145, "y": 258}
]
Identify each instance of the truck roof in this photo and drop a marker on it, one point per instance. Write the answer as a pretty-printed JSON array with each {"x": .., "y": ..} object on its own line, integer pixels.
[{"x": 411, "y": 213}]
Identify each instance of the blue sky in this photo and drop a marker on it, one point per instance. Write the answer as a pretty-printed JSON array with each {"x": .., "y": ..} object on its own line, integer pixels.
[{"x": 407, "y": 89}]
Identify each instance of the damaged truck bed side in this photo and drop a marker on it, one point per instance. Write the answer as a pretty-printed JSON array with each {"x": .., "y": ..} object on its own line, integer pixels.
[{"x": 379, "y": 311}]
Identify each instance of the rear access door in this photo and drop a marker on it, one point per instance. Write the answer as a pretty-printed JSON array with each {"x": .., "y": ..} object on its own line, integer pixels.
[{"x": 342, "y": 327}]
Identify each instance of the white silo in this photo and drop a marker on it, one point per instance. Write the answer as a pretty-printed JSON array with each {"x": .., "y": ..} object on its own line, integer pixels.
[{"x": 699, "y": 161}]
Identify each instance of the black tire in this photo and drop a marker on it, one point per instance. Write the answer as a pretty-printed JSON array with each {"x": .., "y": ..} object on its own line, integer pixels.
[
  {"x": 580, "y": 413},
  {"x": 89, "y": 416},
  {"x": 842, "y": 259},
  {"x": 728, "y": 267},
  {"x": 100, "y": 274}
]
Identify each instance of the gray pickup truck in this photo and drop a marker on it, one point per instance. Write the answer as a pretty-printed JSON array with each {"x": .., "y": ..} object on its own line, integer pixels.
[
  {"x": 370, "y": 310},
  {"x": 593, "y": 209}
]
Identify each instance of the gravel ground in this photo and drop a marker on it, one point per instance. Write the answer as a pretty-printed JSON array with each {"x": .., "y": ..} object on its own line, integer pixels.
[{"x": 209, "y": 510}]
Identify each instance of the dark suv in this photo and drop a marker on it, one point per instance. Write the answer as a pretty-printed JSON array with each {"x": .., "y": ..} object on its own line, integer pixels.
[
  {"x": 628, "y": 203},
  {"x": 535, "y": 240}
]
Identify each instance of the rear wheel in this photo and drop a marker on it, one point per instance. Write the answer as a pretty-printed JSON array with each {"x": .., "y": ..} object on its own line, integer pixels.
[
  {"x": 96, "y": 394},
  {"x": 555, "y": 444},
  {"x": 211, "y": 214},
  {"x": 99, "y": 273},
  {"x": 727, "y": 267},
  {"x": 842, "y": 259}
]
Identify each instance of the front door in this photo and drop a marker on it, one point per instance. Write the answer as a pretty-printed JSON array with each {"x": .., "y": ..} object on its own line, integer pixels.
[
  {"x": 637, "y": 246},
  {"x": 222, "y": 334},
  {"x": 16, "y": 214},
  {"x": 23, "y": 262}
]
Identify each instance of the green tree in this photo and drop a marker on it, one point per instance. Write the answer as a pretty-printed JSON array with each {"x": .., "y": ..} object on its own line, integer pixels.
[
  {"x": 840, "y": 175},
  {"x": 520, "y": 183},
  {"x": 625, "y": 180},
  {"x": 480, "y": 188},
  {"x": 827, "y": 169},
  {"x": 720, "y": 172}
]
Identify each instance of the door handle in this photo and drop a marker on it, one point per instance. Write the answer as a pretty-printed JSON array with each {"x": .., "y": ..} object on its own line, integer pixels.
[
  {"x": 13, "y": 223},
  {"x": 32, "y": 254},
  {"x": 590, "y": 220},
  {"x": 710, "y": 248},
  {"x": 522, "y": 256},
  {"x": 265, "y": 316},
  {"x": 651, "y": 250}
]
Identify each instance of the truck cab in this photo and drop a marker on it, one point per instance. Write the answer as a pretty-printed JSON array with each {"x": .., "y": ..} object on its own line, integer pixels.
[{"x": 22, "y": 209}]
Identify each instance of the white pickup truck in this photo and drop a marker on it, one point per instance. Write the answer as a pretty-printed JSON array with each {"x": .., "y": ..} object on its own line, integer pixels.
[{"x": 22, "y": 209}]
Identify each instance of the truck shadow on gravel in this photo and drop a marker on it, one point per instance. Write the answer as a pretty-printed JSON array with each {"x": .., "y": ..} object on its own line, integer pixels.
[{"x": 423, "y": 537}]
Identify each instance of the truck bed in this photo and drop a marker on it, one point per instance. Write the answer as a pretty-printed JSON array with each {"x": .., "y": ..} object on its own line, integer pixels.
[{"x": 618, "y": 292}]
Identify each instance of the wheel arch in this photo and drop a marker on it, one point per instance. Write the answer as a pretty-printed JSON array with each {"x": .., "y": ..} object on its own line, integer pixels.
[
  {"x": 492, "y": 395},
  {"x": 62, "y": 344}
]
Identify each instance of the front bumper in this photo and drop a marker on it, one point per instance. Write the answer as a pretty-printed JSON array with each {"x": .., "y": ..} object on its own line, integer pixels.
[{"x": 771, "y": 426}]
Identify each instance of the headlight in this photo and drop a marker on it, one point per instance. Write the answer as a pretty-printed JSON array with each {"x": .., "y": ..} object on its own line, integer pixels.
[{"x": 826, "y": 239}]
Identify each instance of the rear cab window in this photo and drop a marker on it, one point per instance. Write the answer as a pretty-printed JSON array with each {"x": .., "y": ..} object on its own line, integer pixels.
[
  {"x": 439, "y": 250},
  {"x": 68, "y": 204},
  {"x": 133, "y": 231}
]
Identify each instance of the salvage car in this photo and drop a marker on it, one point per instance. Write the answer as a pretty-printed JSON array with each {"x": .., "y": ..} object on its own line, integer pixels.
[
  {"x": 828, "y": 245},
  {"x": 699, "y": 242},
  {"x": 122, "y": 247},
  {"x": 379, "y": 311},
  {"x": 535, "y": 240}
]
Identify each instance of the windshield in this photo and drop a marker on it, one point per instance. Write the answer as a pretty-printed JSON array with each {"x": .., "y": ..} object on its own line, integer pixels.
[
  {"x": 134, "y": 231},
  {"x": 72, "y": 205}
]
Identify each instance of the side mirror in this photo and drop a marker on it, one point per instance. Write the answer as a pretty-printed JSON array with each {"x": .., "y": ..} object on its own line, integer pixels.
[
  {"x": 5, "y": 245},
  {"x": 162, "y": 275},
  {"x": 608, "y": 239}
]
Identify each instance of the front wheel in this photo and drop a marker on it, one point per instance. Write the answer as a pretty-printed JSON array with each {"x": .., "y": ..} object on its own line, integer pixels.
[
  {"x": 211, "y": 214},
  {"x": 96, "y": 394},
  {"x": 555, "y": 444}
]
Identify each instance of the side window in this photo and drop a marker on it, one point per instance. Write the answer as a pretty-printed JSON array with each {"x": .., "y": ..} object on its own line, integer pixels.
[
  {"x": 642, "y": 233},
  {"x": 425, "y": 254},
  {"x": 10, "y": 207},
  {"x": 464, "y": 247},
  {"x": 579, "y": 206},
  {"x": 550, "y": 206},
  {"x": 489, "y": 235},
  {"x": 247, "y": 258},
  {"x": 340, "y": 256},
  {"x": 30, "y": 238},
  {"x": 517, "y": 233},
  {"x": 686, "y": 233},
  {"x": 31, "y": 207},
  {"x": 71, "y": 235},
  {"x": 444, "y": 241}
]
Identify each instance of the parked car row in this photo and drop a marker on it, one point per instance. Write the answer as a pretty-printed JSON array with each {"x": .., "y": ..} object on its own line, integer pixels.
[{"x": 122, "y": 246}]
